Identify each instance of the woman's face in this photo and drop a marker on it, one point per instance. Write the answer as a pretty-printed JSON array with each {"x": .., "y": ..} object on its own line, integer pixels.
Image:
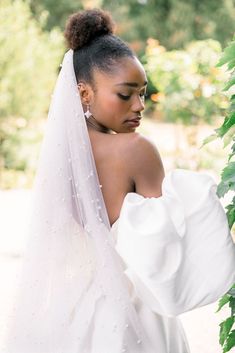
[{"x": 118, "y": 98}]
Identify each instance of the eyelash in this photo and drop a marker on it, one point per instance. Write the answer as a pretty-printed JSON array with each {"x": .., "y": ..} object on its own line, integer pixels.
[{"x": 126, "y": 98}]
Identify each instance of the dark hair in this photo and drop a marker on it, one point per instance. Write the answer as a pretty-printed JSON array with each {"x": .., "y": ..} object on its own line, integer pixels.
[{"x": 90, "y": 34}]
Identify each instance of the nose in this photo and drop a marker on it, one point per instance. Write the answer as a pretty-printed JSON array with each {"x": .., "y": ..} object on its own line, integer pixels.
[{"x": 138, "y": 104}]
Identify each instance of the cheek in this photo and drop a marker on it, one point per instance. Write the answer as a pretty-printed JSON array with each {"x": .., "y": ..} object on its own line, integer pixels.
[{"x": 110, "y": 105}]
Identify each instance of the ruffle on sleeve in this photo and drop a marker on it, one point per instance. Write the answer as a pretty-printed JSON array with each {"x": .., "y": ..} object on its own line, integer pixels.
[{"x": 178, "y": 250}]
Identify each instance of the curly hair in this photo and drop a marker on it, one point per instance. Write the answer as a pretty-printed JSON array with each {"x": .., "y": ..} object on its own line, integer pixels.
[{"x": 90, "y": 34}]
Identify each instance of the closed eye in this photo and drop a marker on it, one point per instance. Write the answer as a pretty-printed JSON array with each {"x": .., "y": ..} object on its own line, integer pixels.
[{"x": 124, "y": 97}]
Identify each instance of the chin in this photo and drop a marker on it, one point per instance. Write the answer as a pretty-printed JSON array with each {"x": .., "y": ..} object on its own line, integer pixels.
[
  {"x": 132, "y": 129},
  {"x": 124, "y": 130}
]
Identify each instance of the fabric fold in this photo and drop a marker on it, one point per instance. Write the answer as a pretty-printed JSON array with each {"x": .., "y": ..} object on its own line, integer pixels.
[{"x": 178, "y": 250}]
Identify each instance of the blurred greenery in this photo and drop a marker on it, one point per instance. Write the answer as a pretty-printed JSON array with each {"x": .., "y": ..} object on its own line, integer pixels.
[
  {"x": 29, "y": 61},
  {"x": 178, "y": 41},
  {"x": 173, "y": 22},
  {"x": 188, "y": 85}
]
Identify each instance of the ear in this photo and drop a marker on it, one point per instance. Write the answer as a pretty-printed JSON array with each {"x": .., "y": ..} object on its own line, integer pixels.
[{"x": 86, "y": 92}]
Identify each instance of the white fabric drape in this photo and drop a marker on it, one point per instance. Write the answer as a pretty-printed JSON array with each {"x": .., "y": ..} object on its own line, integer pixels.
[
  {"x": 71, "y": 272},
  {"x": 74, "y": 293},
  {"x": 177, "y": 248}
]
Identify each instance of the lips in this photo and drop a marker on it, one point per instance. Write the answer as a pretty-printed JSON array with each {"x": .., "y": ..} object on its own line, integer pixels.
[
  {"x": 134, "y": 122},
  {"x": 135, "y": 119}
]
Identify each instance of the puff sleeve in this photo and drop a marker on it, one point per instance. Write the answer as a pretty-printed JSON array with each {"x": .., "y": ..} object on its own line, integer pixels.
[{"x": 177, "y": 248}]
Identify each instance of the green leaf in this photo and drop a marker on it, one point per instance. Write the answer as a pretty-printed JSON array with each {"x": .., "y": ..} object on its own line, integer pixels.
[
  {"x": 232, "y": 103},
  {"x": 231, "y": 64},
  {"x": 228, "y": 173},
  {"x": 231, "y": 155},
  {"x": 232, "y": 292},
  {"x": 232, "y": 305},
  {"x": 230, "y": 83},
  {"x": 232, "y": 289},
  {"x": 225, "y": 328},
  {"x": 230, "y": 343},
  {"x": 233, "y": 152},
  {"x": 231, "y": 216},
  {"x": 222, "y": 189},
  {"x": 229, "y": 121},
  {"x": 208, "y": 139},
  {"x": 224, "y": 300},
  {"x": 229, "y": 136},
  {"x": 231, "y": 186},
  {"x": 228, "y": 55}
]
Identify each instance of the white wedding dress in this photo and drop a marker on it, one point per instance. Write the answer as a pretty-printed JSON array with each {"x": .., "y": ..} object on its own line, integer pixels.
[
  {"x": 177, "y": 253},
  {"x": 86, "y": 288}
]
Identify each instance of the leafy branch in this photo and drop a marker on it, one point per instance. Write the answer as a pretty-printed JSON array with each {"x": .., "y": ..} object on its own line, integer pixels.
[{"x": 227, "y": 184}]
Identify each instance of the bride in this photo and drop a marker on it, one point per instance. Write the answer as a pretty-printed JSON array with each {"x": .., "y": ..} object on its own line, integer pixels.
[{"x": 116, "y": 249}]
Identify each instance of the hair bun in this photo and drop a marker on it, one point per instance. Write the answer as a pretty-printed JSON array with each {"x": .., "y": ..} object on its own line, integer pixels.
[{"x": 84, "y": 26}]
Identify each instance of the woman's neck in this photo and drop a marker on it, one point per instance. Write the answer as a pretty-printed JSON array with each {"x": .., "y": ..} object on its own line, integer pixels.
[{"x": 92, "y": 124}]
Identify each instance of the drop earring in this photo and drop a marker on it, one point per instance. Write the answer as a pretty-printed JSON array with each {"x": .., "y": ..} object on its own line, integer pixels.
[{"x": 87, "y": 113}]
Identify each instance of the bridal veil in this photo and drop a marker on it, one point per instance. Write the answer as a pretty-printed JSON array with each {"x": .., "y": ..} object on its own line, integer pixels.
[{"x": 72, "y": 292}]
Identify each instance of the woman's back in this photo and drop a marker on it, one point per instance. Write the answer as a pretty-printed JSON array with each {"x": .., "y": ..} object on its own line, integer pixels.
[
  {"x": 113, "y": 168},
  {"x": 125, "y": 162}
]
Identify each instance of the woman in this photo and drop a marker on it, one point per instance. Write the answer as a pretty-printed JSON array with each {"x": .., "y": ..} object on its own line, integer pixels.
[
  {"x": 113, "y": 88},
  {"x": 116, "y": 249}
]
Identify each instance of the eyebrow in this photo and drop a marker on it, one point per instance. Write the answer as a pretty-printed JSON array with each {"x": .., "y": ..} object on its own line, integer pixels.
[{"x": 130, "y": 84}]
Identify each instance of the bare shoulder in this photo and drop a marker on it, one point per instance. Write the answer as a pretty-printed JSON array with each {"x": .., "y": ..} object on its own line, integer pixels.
[
  {"x": 145, "y": 164},
  {"x": 132, "y": 139},
  {"x": 139, "y": 150},
  {"x": 145, "y": 147}
]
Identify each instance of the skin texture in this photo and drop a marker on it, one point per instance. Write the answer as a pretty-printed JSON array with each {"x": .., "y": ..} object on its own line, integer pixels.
[{"x": 125, "y": 160}]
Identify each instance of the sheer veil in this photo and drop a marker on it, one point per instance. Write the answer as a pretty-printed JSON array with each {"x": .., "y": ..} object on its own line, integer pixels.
[{"x": 73, "y": 294}]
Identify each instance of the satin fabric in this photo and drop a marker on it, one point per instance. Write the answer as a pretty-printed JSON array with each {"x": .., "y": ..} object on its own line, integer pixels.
[{"x": 177, "y": 252}]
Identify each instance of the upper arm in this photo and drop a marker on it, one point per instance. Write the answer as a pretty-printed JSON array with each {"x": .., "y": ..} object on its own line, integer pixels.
[{"x": 146, "y": 167}]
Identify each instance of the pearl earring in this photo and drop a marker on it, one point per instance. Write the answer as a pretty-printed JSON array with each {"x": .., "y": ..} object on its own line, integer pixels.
[{"x": 87, "y": 113}]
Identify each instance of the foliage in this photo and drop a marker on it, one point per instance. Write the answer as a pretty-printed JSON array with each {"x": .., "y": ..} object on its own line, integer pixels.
[
  {"x": 51, "y": 13},
  {"x": 173, "y": 22},
  {"x": 227, "y": 184},
  {"x": 185, "y": 79},
  {"x": 29, "y": 60},
  {"x": 227, "y": 334}
]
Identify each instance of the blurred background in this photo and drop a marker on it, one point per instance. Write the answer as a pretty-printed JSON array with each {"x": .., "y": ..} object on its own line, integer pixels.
[{"x": 178, "y": 41}]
